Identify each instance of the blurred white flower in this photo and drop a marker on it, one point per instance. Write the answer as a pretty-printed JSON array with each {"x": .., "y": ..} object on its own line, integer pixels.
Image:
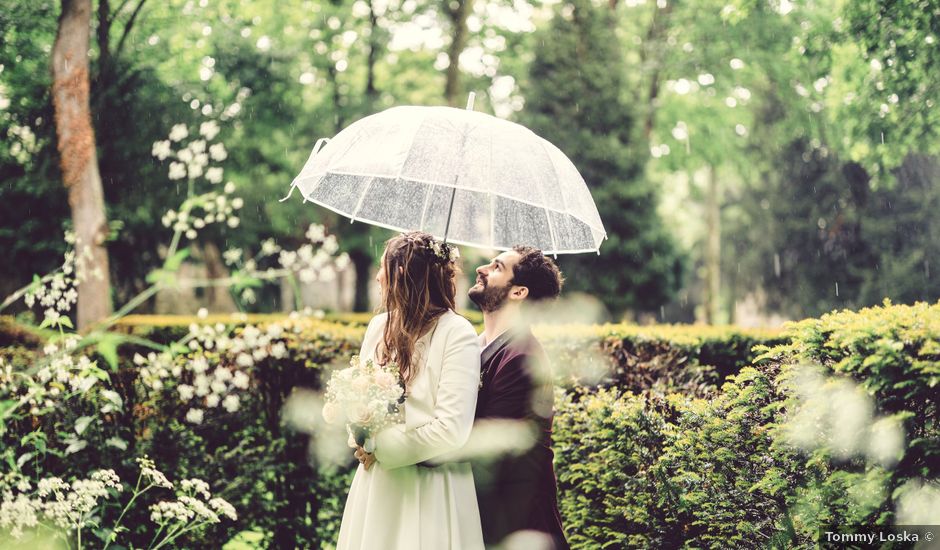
[
  {"x": 198, "y": 146},
  {"x": 330, "y": 245},
  {"x": 195, "y": 170},
  {"x": 178, "y": 132},
  {"x": 161, "y": 149},
  {"x": 177, "y": 170},
  {"x": 230, "y": 403},
  {"x": 229, "y": 188},
  {"x": 269, "y": 247},
  {"x": 200, "y": 365},
  {"x": 209, "y": 129},
  {"x": 195, "y": 416},
  {"x": 316, "y": 232},
  {"x": 186, "y": 392},
  {"x": 218, "y": 152},
  {"x": 232, "y": 255},
  {"x": 240, "y": 380},
  {"x": 233, "y": 222},
  {"x": 214, "y": 174}
]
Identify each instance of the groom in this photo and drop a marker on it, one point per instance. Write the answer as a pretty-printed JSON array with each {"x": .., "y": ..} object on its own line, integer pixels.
[{"x": 517, "y": 493}]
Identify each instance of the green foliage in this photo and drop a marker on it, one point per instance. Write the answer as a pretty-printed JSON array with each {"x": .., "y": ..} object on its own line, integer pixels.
[
  {"x": 818, "y": 235},
  {"x": 696, "y": 467},
  {"x": 892, "y": 351},
  {"x": 694, "y": 360},
  {"x": 641, "y": 471},
  {"x": 888, "y": 54},
  {"x": 574, "y": 100},
  {"x": 606, "y": 447}
]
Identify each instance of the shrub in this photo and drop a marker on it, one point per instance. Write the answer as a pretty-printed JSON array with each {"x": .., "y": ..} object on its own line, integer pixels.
[
  {"x": 875, "y": 433},
  {"x": 694, "y": 360},
  {"x": 606, "y": 446}
]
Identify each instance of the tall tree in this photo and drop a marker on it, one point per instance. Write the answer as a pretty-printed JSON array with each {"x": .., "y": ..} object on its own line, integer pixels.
[
  {"x": 78, "y": 156},
  {"x": 575, "y": 100},
  {"x": 457, "y": 12}
]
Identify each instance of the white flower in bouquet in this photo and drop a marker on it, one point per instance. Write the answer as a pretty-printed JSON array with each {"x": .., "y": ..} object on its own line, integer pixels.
[{"x": 367, "y": 397}]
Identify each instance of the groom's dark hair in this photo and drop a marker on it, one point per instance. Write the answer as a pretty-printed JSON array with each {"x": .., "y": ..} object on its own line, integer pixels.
[{"x": 537, "y": 272}]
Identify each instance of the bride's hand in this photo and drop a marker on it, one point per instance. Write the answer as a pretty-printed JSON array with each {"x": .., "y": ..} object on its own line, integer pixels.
[{"x": 364, "y": 458}]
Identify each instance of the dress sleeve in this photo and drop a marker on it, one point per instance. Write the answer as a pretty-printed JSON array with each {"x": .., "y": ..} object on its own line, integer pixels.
[{"x": 397, "y": 446}]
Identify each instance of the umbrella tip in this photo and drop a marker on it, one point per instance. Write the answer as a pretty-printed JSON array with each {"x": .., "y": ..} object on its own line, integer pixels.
[{"x": 470, "y": 99}]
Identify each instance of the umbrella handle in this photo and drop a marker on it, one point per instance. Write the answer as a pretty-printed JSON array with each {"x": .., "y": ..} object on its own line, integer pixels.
[{"x": 316, "y": 149}]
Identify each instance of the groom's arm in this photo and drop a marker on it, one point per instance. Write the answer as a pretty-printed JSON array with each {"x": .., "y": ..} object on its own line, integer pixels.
[
  {"x": 453, "y": 411},
  {"x": 503, "y": 424}
]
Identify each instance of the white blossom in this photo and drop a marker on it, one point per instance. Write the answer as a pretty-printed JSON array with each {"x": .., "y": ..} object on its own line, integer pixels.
[
  {"x": 179, "y": 132},
  {"x": 218, "y": 152},
  {"x": 214, "y": 174},
  {"x": 194, "y": 416},
  {"x": 231, "y": 403},
  {"x": 177, "y": 170},
  {"x": 209, "y": 129},
  {"x": 161, "y": 149}
]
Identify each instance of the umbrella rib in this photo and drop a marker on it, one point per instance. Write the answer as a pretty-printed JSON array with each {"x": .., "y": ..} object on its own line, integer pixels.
[
  {"x": 551, "y": 230},
  {"x": 492, "y": 220},
  {"x": 414, "y": 136},
  {"x": 424, "y": 210},
  {"x": 564, "y": 201},
  {"x": 362, "y": 197}
]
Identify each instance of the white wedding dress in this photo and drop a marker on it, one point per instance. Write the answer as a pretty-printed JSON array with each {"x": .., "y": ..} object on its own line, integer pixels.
[{"x": 397, "y": 504}]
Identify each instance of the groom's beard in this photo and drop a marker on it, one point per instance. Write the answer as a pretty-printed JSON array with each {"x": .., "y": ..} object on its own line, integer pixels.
[{"x": 489, "y": 299}]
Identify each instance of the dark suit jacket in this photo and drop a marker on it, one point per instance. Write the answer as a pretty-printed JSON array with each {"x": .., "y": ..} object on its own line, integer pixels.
[{"x": 518, "y": 492}]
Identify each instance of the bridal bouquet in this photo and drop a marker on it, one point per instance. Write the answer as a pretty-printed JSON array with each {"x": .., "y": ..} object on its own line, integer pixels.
[{"x": 367, "y": 397}]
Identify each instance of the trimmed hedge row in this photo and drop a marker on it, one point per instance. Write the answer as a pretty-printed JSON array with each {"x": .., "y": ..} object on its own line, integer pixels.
[
  {"x": 655, "y": 456},
  {"x": 263, "y": 468},
  {"x": 646, "y": 471},
  {"x": 691, "y": 359},
  {"x": 659, "y": 359}
]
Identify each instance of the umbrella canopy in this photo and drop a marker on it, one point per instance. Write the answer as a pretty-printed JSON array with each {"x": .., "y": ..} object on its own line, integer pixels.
[{"x": 465, "y": 176}]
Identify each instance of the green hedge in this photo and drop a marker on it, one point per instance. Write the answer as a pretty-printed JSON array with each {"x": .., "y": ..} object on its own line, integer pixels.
[
  {"x": 642, "y": 471},
  {"x": 262, "y": 467},
  {"x": 659, "y": 359},
  {"x": 656, "y": 456}
]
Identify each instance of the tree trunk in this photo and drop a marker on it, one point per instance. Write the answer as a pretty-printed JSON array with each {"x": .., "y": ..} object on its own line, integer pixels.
[
  {"x": 362, "y": 261},
  {"x": 78, "y": 158},
  {"x": 713, "y": 248},
  {"x": 372, "y": 92},
  {"x": 457, "y": 11}
]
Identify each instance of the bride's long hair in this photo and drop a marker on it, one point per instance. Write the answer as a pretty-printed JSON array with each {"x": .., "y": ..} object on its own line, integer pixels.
[{"x": 419, "y": 287}]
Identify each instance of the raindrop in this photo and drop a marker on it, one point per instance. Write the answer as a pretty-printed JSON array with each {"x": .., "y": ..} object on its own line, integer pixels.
[
  {"x": 837, "y": 289},
  {"x": 776, "y": 264},
  {"x": 662, "y": 313},
  {"x": 882, "y": 138},
  {"x": 927, "y": 268}
]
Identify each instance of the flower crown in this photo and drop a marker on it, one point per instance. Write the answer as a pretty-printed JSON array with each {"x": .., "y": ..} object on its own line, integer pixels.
[
  {"x": 444, "y": 251},
  {"x": 435, "y": 249}
]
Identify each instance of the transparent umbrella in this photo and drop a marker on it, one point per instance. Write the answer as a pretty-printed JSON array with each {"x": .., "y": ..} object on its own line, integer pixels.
[{"x": 467, "y": 177}]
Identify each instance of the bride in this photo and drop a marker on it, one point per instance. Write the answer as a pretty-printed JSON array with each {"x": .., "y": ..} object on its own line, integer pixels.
[{"x": 395, "y": 501}]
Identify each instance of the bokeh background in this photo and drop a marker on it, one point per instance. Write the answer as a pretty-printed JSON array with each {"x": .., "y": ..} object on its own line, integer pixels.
[{"x": 753, "y": 160}]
